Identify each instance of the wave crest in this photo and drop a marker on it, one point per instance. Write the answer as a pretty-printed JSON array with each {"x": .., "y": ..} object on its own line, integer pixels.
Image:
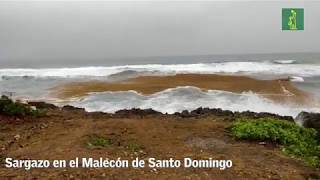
[
  {"x": 303, "y": 70},
  {"x": 185, "y": 98},
  {"x": 288, "y": 61}
]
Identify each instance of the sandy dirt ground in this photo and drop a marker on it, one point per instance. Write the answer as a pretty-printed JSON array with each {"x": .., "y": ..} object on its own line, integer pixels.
[{"x": 64, "y": 134}]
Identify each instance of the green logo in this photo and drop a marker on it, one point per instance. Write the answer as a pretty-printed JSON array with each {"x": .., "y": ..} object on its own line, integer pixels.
[{"x": 292, "y": 19}]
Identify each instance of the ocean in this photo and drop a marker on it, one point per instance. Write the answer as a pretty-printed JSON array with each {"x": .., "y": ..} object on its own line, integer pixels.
[{"x": 35, "y": 79}]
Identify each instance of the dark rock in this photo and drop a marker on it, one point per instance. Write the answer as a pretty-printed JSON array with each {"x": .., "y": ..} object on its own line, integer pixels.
[
  {"x": 42, "y": 105},
  {"x": 309, "y": 120},
  {"x": 72, "y": 108},
  {"x": 200, "y": 111},
  {"x": 263, "y": 115},
  {"x": 204, "y": 111},
  {"x": 227, "y": 113},
  {"x": 136, "y": 111},
  {"x": 220, "y": 112},
  {"x": 185, "y": 113}
]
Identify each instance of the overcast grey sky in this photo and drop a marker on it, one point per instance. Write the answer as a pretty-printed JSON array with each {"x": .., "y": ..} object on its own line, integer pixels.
[{"x": 70, "y": 30}]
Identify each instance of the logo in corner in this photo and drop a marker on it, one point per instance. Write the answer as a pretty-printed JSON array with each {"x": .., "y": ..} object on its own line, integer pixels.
[{"x": 293, "y": 19}]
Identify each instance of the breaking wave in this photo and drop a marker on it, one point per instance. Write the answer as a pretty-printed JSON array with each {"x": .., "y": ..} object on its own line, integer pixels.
[
  {"x": 247, "y": 68},
  {"x": 296, "y": 79},
  {"x": 35, "y": 83},
  {"x": 186, "y": 98},
  {"x": 285, "y": 61}
]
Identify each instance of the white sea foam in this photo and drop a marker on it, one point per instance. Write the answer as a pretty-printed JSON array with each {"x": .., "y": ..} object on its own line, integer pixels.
[
  {"x": 186, "y": 98},
  {"x": 302, "y": 70},
  {"x": 296, "y": 79},
  {"x": 288, "y": 61},
  {"x": 59, "y": 72},
  {"x": 20, "y": 81}
]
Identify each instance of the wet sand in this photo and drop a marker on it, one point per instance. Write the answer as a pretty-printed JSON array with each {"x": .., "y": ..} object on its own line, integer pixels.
[{"x": 273, "y": 89}]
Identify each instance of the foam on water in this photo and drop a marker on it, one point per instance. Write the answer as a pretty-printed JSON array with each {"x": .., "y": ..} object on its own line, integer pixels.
[
  {"x": 296, "y": 79},
  {"x": 59, "y": 72},
  {"x": 303, "y": 70},
  {"x": 186, "y": 98},
  {"x": 36, "y": 83},
  {"x": 288, "y": 61}
]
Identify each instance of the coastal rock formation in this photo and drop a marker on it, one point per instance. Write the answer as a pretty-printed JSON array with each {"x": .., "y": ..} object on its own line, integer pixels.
[
  {"x": 227, "y": 113},
  {"x": 184, "y": 114},
  {"x": 263, "y": 115},
  {"x": 309, "y": 120},
  {"x": 204, "y": 111},
  {"x": 42, "y": 105},
  {"x": 72, "y": 108},
  {"x": 136, "y": 111}
]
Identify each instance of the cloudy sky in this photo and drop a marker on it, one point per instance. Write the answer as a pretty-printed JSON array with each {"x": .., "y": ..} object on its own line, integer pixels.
[{"x": 50, "y": 30}]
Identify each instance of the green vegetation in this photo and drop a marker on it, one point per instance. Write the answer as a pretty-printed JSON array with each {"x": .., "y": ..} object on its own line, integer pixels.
[
  {"x": 1, "y": 158},
  {"x": 134, "y": 147},
  {"x": 98, "y": 141},
  {"x": 11, "y": 108},
  {"x": 296, "y": 141}
]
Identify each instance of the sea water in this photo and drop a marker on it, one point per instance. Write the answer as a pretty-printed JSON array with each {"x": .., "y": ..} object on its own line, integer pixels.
[{"x": 36, "y": 80}]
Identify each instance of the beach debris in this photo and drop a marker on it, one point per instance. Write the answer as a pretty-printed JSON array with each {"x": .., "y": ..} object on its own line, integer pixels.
[
  {"x": 262, "y": 143},
  {"x": 154, "y": 170},
  {"x": 17, "y": 137},
  {"x": 43, "y": 126}
]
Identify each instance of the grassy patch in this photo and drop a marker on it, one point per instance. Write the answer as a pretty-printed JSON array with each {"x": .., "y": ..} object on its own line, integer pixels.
[
  {"x": 98, "y": 141},
  {"x": 134, "y": 147},
  {"x": 297, "y": 141},
  {"x": 2, "y": 159},
  {"x": 11, "y": 108}
]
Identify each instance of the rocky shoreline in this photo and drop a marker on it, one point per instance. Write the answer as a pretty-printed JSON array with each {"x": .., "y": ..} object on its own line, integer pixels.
[
  {"x": 184, "y": 114},
  {"x": 306, "y": 119}
]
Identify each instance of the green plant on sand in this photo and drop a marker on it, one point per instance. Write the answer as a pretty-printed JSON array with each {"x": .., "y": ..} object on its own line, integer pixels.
[
  {"x": 296, "y": 141},
  {"x": 134, "y": 147},
  {"x": 2, "y": 158},
  {"x": 11, "y": 108},
  {"x": 98, "y": 141}
]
